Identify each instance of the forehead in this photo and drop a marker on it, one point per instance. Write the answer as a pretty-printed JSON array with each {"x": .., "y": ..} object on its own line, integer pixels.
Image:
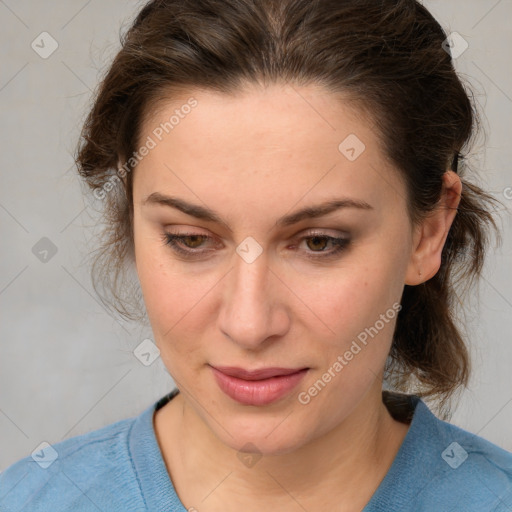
[
  {"x": 281, "y": 112},
  {"x": 281, "y": 136}
]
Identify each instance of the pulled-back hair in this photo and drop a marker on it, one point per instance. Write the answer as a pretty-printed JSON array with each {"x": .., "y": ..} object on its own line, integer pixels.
[{"x": 389, "y": 55}]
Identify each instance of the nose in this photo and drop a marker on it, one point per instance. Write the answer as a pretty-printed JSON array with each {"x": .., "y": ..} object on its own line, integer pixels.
[{"x": 252, "y": 309}]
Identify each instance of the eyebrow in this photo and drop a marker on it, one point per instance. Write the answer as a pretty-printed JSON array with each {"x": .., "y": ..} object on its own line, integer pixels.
[{"x": 309, "y": 212}]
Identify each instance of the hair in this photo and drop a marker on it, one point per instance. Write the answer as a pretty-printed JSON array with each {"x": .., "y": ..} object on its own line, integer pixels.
[{"x": 389, "y": 55}]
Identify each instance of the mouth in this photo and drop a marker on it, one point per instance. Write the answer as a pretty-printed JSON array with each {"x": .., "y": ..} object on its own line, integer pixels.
[
  {"x": 257, "y": 387},
  {"x": 259, "y": 374}
]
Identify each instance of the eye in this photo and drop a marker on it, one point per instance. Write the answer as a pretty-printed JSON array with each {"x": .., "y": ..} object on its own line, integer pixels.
[
  {"x": 320, "y": 241},
  {"x": 191, "y": 240},
  {"x": 189, "y": 244}
]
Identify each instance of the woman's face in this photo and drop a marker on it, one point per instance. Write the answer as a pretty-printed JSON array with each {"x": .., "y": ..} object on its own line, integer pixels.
[{"x": 253, "y": 291}]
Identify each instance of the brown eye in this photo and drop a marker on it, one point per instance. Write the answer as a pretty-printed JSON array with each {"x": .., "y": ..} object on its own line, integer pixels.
[
  {"x": 189, "y": 244},
  {"x": 193, "y": 239},
  {"x": 185, "y": 243},
  {"x": 317, "y": 243}
]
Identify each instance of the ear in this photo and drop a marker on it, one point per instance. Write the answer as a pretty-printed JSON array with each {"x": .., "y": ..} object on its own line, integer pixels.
[{"x": 430, "y": 236}]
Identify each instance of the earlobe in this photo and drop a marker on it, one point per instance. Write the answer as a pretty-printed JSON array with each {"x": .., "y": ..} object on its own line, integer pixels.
[
  {"x": 414, "y": 273},
  {"x": 430, "y": 236}
]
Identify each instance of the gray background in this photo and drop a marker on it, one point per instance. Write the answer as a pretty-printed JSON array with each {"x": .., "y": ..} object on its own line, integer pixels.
[{"x": 66, "y": 366}]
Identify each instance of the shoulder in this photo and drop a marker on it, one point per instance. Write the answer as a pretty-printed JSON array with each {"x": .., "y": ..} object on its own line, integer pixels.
[
  {"x": 85, "y": 472},
  {"x": 441, "y": 466},
  {"x": 465, "y": 471},
  {"x": 481, "y": 470}
]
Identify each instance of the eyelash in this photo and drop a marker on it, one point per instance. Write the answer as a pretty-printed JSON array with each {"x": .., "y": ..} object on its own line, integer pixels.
[{"x": 340, "y": 244}]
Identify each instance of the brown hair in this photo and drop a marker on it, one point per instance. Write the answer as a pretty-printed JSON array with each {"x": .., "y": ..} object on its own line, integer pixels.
[{"x": 388, "y": 54}]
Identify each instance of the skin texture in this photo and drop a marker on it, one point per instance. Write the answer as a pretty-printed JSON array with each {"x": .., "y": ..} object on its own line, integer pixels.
[{"x": 254, "y": 157}]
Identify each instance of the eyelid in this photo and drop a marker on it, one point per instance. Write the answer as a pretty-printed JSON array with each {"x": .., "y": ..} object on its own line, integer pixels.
[
  {"x": 323, "y": 232},
  {"x": 302, "y": 234},
  {"x": 167, "y": 236},
  {"x": 340, "y": 244}
]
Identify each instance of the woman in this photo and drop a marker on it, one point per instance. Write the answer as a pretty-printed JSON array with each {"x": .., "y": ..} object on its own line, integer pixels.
[{"x": 285, "y": 178}]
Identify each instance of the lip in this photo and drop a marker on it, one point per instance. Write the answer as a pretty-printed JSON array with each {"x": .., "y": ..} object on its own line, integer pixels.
[
  {"x": 257, "y": 387},
  {"x": 262, "y": 373}
]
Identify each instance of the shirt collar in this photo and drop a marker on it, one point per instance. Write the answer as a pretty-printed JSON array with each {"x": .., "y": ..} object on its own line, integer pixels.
[{"x": 409, "y": 466}]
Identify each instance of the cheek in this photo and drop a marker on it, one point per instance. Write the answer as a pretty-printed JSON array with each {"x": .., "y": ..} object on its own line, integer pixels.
[
  {"x": 159, "y": 287},
  {"x": 343, "y": 299},
  {"x": 361, "y": 309},
  {"x": 176, "y": 315},
  {"x": 178, "y": 299},
  {"x": 362, "y": 313},
  {"x": 168, "y": 296},
  {"x": 352, "y": 298}
]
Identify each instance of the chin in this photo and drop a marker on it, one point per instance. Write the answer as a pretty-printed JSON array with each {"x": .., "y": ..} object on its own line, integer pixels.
[{"x": 261, "y": 437}]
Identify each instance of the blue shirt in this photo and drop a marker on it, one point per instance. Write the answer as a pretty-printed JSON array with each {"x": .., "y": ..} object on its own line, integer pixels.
[{"x": 439, "y": 467}]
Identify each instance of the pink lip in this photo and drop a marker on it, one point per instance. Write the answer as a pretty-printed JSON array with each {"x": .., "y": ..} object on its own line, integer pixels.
[{"x": 258, "y": 387}]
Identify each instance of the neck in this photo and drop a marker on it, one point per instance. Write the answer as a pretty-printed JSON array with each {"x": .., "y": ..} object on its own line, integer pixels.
[{"x": 346, "y": 465}]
